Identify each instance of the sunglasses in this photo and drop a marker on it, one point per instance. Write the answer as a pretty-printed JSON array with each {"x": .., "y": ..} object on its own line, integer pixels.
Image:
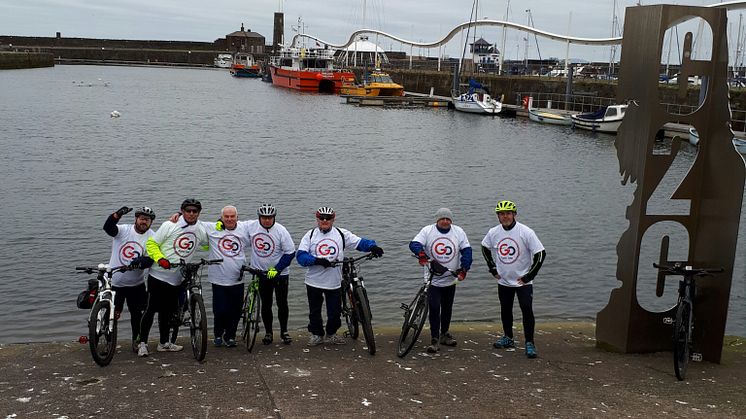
[
  {"x": 191, "y": 210},
  {"x": 325, "y": 217}
]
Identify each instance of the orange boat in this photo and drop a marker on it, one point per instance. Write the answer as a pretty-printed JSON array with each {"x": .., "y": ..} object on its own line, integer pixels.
[
  {"x": 376, "y": 83},
  {"x": 244, "y": 65},
  {"x": 308, "y": 70}
]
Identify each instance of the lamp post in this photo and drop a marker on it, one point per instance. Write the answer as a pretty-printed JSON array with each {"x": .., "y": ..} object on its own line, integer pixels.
[{"x": 189, "y": 57}]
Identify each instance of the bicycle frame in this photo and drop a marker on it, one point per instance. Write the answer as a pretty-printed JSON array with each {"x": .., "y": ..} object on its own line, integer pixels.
[
  {"x": 684, "y": 322},
  {"x": 104, "y": 293}
]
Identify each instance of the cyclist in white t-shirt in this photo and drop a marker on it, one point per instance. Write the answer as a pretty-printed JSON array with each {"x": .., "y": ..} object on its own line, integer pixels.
[
  {"x": 128, "y": 248},
  {"x": 447, "y": 244},
  {"x": 317, "y": 250},
  {"x": 226, "y": 239},
  {"x": 171, "y": 243},
  {"x": 272, "y": 251},
  {"x": 514, "y": 256}
]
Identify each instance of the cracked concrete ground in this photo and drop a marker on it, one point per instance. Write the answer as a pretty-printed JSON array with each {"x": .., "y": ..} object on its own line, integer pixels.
[{"x": 571, "y": 378}]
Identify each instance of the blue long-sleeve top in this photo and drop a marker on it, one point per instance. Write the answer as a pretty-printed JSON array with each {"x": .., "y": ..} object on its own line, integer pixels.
[{"x": 284, "y": 261}]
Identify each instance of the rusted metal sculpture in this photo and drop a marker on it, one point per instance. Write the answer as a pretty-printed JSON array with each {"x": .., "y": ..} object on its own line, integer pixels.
[{"x": 714, "y": 184}]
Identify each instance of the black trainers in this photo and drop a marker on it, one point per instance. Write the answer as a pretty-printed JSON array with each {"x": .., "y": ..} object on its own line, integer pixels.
[
  {"x": 448, "y": 340},
  {"x": 286, "y": 339},
  {"x": 267, "y": 339},
  {"x": 434, "y": 346}
]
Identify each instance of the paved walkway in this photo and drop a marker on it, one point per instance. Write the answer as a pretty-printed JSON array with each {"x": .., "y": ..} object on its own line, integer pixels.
[{"x": 571, "y": 378}]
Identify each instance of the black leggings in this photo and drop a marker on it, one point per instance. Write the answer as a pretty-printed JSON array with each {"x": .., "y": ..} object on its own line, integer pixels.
[
  {"x": 280, "y": 287},
  {"x": 136, "y": 298},
  {"x": 525, "y": 300},
  {"x": 441, "y": 307},
  {"x": 163, "y": 298},
  {"x": 226, "y": 309}
]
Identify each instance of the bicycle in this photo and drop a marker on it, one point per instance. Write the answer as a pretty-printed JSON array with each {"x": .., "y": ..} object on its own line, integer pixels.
[
  {"x": 102, "y": 322},
  {"x": 192, "y": 312},
  {"x": 355, "y": 304},
  {"x": 251, "y": 313},
  {"x": 684, "y": 321},
  {"x": 415, "y": 312}
]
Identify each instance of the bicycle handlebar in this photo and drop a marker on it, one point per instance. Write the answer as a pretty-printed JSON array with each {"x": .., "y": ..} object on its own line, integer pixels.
[
  {"x": 102, "y": 268},
  {"x": 252, "y": 271},
  {"x": 684, "y": 270},
  {"x": 437, "y": 268},
  {"x": 201, "y": 262},
  {"x": 352, "y": 259}
]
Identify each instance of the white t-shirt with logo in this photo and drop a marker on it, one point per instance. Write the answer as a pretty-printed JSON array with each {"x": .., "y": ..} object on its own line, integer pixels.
[
  {"x": 125, "y": 246},
  {"x": 328, "y": 246},
  {"x": 229, "y": 246},
  {"x": 444, "y": 248},
  {"x": 268, "y": 246},
  {"x": 177, "y": 241},
  {"x": 513, "y": 251}
]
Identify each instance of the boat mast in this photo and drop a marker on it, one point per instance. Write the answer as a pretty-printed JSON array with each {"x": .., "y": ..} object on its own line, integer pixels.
[
  {"x": 502, "y": 49},
  {"x": 567, "y": 48},
  {"x": 738, "y": 46},
  {"x": 613, "y": 47}
]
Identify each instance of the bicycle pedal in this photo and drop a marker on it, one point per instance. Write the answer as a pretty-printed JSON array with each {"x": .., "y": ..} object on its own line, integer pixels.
[
  {"x": 696, "y": 357},
  {"x": 668, "y": 320}
]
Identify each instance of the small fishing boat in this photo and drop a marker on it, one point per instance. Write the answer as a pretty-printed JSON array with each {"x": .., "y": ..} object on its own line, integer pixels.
[
  {"x": 607, "y": 119},
  {"x": 693, "y": 136},
  {"x": 376, "y": 83},
  {"x": 739, "y": 143},
  {"x": 223, "y": 61},
  {"x": 476, "y": 100},
  {"x": 546, "y": 117},
  {"x": 244, "y": 65}
]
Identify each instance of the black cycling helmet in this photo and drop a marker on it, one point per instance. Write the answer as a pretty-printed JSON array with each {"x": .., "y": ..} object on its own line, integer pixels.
[
  {"x": 266, "y": 210},
  {"x": 191, "y": 202},
  {"x": 146, "y": 211}
]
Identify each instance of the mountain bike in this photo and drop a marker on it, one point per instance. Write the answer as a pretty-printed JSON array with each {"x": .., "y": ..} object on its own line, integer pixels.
[
  {"x": 355, "y": 304},
  {"x": 191, "y": 311},
  {"x": 102, "y": 323},
  {"x": 683, "y": 324},
  {"x": 415, "y": 312},
  {"x": 251, "y": 313}
]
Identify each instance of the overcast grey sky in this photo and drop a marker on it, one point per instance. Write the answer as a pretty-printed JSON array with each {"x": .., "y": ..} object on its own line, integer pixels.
[{"x": 331, "y": 20}]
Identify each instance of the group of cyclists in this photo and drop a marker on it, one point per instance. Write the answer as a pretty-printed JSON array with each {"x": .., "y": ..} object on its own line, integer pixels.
[{"x": 512, "y": 251}]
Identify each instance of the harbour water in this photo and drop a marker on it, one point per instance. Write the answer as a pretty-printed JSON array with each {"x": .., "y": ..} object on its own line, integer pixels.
[{"x": 66, "y": 164}]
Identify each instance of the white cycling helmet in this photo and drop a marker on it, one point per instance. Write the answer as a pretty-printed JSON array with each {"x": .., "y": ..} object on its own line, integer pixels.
[
  {"x": 325, "y": 211},
  {"x": 146, "y": 211},
  {"x": 266, "y": 210}
]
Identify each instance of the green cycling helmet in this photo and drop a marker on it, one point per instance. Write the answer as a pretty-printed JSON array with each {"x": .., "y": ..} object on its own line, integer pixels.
[{"x": 506, "y": 206}]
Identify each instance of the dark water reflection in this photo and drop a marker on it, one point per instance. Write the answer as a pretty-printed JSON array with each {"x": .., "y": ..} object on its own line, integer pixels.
[{"x": 65, "y": 165}]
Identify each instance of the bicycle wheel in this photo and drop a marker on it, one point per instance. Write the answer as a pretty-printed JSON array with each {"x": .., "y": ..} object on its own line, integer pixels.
[
  {"x": 364, "y": 315},
  {"x": 348, "y": 311},
  {"x": 245, "y": 316},
  {"x": 682, "y": 339},
  {"x": 198, "y": 327},
  {"x": 414, "y": 321},
  {"x": 254, "y": 319},
  {"x": 103, "y": 342}
]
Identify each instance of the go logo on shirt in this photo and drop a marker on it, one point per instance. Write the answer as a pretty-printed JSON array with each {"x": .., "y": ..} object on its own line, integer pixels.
[
  {"x": 443, "y": 250},
  {"x": 263, "y": 245},
  {"x": 229, "y": 245},
  {"x": 508, "y": 250},
  {"x": 129, "y": 251},
  {"x": 185, "y": 244},
  {"x": 327, "y": 248}
]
